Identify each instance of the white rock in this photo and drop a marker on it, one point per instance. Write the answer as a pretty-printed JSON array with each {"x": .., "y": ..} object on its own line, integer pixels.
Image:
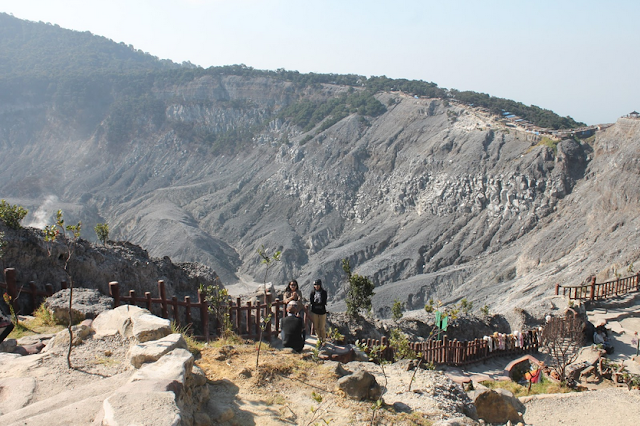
[{"x": 153, "y": 350}]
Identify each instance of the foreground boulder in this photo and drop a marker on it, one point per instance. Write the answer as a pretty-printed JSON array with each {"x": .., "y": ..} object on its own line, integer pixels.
[
  {"x": 168, "y": 392},
  {"x": 153, "y": 350},
  {"x": 497, "y": 406},
  {"x": 61, "y": 338},
  {"x": 87, "y": 304},
  {"x": 360, "y": 386},
  {"x": 131, "y": 321}
]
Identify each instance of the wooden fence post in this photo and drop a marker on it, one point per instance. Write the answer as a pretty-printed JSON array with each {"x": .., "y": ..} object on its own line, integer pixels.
[
  {"x": 163, "y": 299},
  {"x": 384, "y": 353},
  {"x": 48, "y": 288},
  {"x": 249, "y": 321},
  {"x": 63, "y": 285},
  {"x": 114, "y": 291},
  {"x": 33, "y": 295},
  {"x": 557, "y": 289},
  {"x": 147, "y": 296},
  {"x": 445, "y": 349},
  {"x": 269, "y": 313},
  {"x": 238, "y": 319},
  {"x": 593, "y": 288},
  {"x": 174, "y": 302},
  {"x": 277, "y": 315},
  {"x": 187, "y": 301},
  {"x": 204, "y": 315},
  {"x": 10, "y": 279},
  {"x": 258, "y": 318},
  {"x": 132, "y": 296}
]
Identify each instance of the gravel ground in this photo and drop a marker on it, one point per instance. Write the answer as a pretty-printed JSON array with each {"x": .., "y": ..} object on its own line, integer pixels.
[{"x": 612, "y": 407}]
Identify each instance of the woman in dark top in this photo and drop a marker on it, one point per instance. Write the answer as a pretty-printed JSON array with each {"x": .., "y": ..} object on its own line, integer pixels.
[{"x": 318, "y": 299}]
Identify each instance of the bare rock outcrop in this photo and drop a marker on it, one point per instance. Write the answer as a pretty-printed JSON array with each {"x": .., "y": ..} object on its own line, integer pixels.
[
  {"x": 497, "y": 406},
  {"x": 431, "y": 199},
  {"x": 360, "y": 385},
  {"x": 87, "y": 303}
]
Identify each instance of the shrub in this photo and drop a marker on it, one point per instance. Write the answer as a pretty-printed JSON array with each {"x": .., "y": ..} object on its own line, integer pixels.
[
  {"x": 397, "y": 310},
  {"x": 334, "y": 335},
  {"x": 359, "y": 293},
  {"x": 466, "y": 306},
  {"x": 485, "y": 311},
  {"x": 11, "y": 215},
  {"x": 401, "y": 346},
  {"x": 562, "y": 339},
  {"x": 102, "y": 232},
  {"x": 44, "y": 317},
  {"x": 218, "y": 301},
  {"x": 428, "y": 307}
]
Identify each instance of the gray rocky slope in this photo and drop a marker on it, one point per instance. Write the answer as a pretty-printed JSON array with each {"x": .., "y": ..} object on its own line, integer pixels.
[{"x": 429, "y": 199}]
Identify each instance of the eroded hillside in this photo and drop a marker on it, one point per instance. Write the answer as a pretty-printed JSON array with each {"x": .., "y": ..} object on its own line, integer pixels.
[{"x": 429, "y": 197}]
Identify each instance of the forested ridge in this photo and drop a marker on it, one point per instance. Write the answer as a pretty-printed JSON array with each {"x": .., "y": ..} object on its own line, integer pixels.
[{"x": 41, "y": 62}]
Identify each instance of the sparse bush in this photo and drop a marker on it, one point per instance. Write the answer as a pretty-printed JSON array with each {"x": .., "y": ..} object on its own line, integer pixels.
[
  {"x": 316, "y": 397},
  {"x": 51, "y": 234},
  {"x": 218, "y": 304},
  {"x": 550, "y": 143},
  {"x": 306, "y": 139},
  {"x": 3, "y": 248},
  {"x": 562, "y": 338},
  {"x": 334, "y": 335},
  {"x": 544, "y": 386},
  {"x": 9, "y": 301},
  {"x": 485, "y": 311},
  {"x": 44, "y": 316},
  {"x": 428, "y": 307},
  {"x": 397, "y": 310},
  {"x": 466, "y": 306},
  {"x": 11, "y": 215},
  {"x": 102, "y": 232},
  {"x": 193, "y": 346},
  {"x": 359, "y": 293},
  {"x": 3, "y": 244},
  {"x": 401, "y": 346},
  {"x": 507, "y": 275},
  {"x": 267, "y": 260}
]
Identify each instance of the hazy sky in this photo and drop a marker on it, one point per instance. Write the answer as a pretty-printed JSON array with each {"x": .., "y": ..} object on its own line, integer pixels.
[{"x": 578, "y": 58}]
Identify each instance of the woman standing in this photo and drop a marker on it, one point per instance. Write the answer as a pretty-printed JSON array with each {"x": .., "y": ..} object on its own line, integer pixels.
[{"x": 318, "y": 300}]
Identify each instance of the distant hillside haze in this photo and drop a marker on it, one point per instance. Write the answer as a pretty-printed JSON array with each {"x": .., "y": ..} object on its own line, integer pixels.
[
  {"x": 38, "y": 49},
  {"x": 425, "y": 190}
]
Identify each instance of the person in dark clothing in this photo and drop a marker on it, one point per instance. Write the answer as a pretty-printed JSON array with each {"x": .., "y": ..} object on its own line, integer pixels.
[
  {"x": 5, "y": 325},
  {"x": 293, "y": 332},
  {"x": 318, "y": 301}
]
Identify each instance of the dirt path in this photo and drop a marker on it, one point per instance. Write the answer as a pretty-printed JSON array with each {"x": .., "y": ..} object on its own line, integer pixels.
[{"x": 613, "y": 407}]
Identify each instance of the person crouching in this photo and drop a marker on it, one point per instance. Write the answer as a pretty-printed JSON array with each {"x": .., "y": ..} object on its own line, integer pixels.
[{"x": 293, "y": 332}]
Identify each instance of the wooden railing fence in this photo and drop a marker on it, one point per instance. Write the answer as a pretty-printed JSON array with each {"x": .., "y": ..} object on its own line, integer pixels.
[
  {"x": 245, "y": 319},
  {"x": 599, "y": 291},
  {"x": 458, "y": 353},
  {"x": 168, "y": 308},
  {"x": 32, "y": 290}
]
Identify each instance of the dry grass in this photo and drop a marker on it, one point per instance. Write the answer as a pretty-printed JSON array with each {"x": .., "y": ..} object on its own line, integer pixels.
[
  {"x": 545, "y": 386},
  {"x": 41, "y": 323},
  {"x": 224, "y": 360},
  {"x": 290, "y": 388}
]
